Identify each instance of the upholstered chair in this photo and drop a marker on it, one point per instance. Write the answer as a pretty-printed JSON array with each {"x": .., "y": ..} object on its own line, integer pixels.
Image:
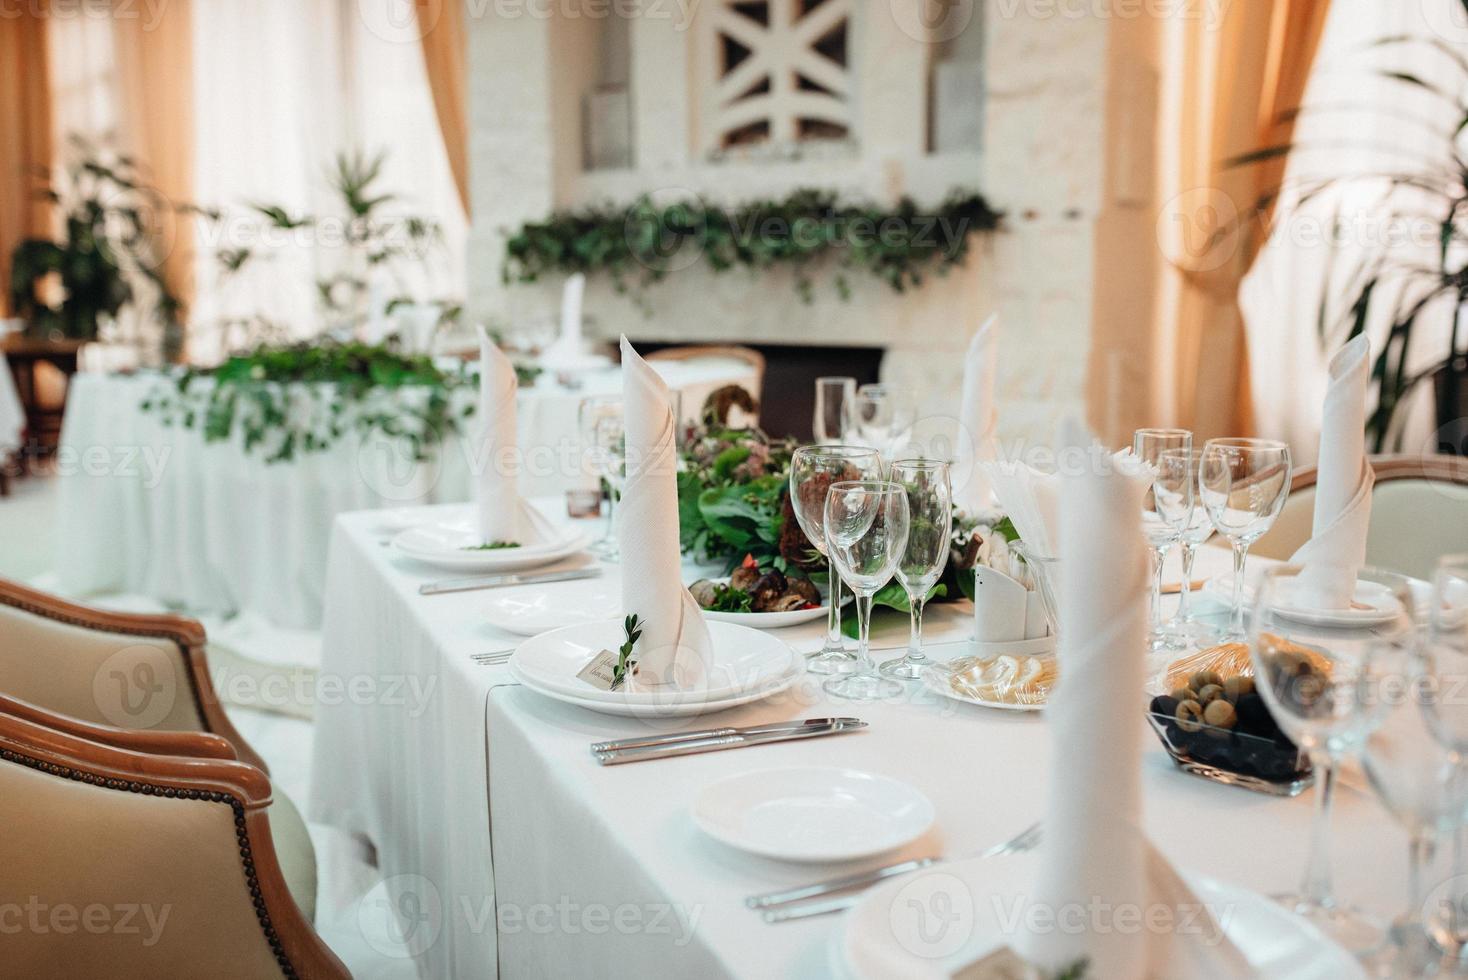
[
  {"x": 135, "y": 672},
  {"x": 134, "y": 855},
  {"x": 1419, "y": 512}
]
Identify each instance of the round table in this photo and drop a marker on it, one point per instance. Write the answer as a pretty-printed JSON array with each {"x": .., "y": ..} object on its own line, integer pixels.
[{"x": 211, "y": 527}]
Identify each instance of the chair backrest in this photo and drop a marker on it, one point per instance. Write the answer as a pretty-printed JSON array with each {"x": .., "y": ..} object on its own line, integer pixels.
[
  {"x": 135, "y": 865},
  {"x": 1419, "y": 512},
  {"x": 109, "y": 668},
  {"x": 695, "y": 396}
]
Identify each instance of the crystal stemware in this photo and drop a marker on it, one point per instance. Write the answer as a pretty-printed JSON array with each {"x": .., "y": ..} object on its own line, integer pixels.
[
  {"x": 834, "y": 397},
  {"x": 1164, "y": 509},
  {"x": 930, "y": 528},
  {"x": 813, "y": 469},
  {"x": 1199, "y": 528},
  {"x": 1244, "y": 484},
  {"x": 866, "y": 534},
  {"x": 600, "y": 420},
  {"x": 881, "y": 417},
  {"x": 1327, "y": 687}
]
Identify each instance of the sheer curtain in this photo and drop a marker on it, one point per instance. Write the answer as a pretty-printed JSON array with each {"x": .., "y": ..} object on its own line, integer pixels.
[
  {"x": 280, "y": 89},
  {"x": 1356, "y": 122}
]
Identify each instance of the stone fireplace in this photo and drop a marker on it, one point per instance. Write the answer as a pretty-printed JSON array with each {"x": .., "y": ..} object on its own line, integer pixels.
[{"x": 731, "y": 100}]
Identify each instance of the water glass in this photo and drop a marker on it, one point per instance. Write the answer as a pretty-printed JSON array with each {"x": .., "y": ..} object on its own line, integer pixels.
[
  {"x": 930, "y": 529},
  {"x": 1244, "y": 484},
  {"x": 600, "y": 421},
  {"x": 881, "y": 417},
  {"x": 1165, "y": 508},
  {"x": 813, "y": 470},
  {"x": 1328, "y": 687},
  {"x": 866, "y": 530},
  {"x": 834, "y": 398},
  {"x": 1195, "y": 533}
]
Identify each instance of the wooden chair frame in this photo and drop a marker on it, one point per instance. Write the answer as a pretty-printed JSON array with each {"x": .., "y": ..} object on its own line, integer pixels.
[
  {"x": 1404, "y": 466},
  {"x": 191, "y": 769},
  {"x": 186, "y": 634}
]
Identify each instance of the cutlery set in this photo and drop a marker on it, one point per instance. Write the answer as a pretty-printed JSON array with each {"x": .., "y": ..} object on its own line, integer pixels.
[
  {"x": 506, "y": 579},
  {"x": 618, "y": 751}
]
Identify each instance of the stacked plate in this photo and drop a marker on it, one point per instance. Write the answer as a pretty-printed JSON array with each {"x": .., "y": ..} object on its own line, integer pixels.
[
  {"x": 455, "y": 545},
  {"x": 747, "y": 666}
]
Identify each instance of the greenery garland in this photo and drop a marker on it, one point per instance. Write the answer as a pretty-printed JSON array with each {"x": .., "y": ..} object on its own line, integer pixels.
[
  {"x": 640, "y": 244},
  {"x": 261, "y": 392}
]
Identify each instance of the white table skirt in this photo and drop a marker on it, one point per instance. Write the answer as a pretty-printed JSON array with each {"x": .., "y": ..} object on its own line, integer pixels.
[
  {"x": 599, "y": 871},
  {"x": 154, "y": 509},
  {"x": 12, "y": 414}
]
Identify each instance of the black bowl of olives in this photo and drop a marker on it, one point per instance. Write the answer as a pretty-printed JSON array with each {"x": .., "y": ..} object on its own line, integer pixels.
[{"x": 1221, "y": 729}]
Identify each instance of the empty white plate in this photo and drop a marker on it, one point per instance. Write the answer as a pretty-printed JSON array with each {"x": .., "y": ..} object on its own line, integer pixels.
[
  {"x": 452, "y": 545},
  {"x": 534, "y": 610},
  {"x": 745, "y": 661},
  {"x": 812, "y": 813},
  {"x": 1373, "y": 603}
]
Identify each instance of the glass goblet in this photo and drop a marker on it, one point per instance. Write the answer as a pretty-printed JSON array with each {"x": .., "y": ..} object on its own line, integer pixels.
[
  {"x": 1164, "y": 508},
  {"x": 1244, "y": 484},
  {"x": 866, "y": 534},
  {"x": 930, "y": 529},
  {"x": 1324, "y": 685},
  {"x": 813, "y": 469},
  {"x": 590, "y": 416},
  {"x": 881, "y": 416},
  {"x": 1187, "y": 627},
  {"x": 833, "y": 400}
]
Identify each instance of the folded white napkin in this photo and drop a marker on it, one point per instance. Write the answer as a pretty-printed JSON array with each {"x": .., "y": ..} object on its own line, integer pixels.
[
  {"x": 1030, "y": 499},
  {"x": 977, "y": 419},
  {"x": 566, "y": 349},
  {"x": 502, "y": 514},
  {"x": 1337, "y": 546},
  {"x": 1095, "y": 850},
  {"x": 675, "y": 649}
]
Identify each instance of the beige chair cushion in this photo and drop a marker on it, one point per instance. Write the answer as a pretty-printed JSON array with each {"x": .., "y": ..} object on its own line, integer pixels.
[
  {"x": 107, "y": 678},
  {"x": 1414, "y": 522},
  {"x": 109, "y": 883},
  {"x": 294, "y": 850}
]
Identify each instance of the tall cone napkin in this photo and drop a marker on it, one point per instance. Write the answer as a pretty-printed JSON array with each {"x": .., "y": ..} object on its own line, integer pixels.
[
  {"x": 1094, "y": 849},
  {"x": 675, "y": 649},
  {"x": 502, "y": 515},
  {"x": 566, "y": 349},
  {"x": 1337, "y": 546},
  {"x": 978, "y": 420}
]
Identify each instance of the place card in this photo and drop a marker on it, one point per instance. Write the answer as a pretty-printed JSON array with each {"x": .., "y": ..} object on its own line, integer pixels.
[{"x": 599, "y": 673}]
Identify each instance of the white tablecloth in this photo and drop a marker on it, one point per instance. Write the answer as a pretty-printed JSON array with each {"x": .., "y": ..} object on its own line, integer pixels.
[
  {"x": 153, "y": 509},
  {"x": 12, "y": 415},
  {"x": 600, "y": 872}
]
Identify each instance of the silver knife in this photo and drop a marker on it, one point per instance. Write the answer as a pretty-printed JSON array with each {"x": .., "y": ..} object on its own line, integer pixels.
[
  {"x": 784, "y": 726},
  {"x": 617, "y": 757},
  {"x": 496, "y": 581}
]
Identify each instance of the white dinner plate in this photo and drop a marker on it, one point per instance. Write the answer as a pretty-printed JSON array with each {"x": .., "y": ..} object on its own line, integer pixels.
[
  {"x": 449, "y": 544},
  {"x": 745, "y": 662},
  {"x": 812, "y": 813},
  {"x": 886, "y": 934},
  {"x": 769, "y": 620},
  {"x": 1380, "y": 604},
  {"x": 533, "y": 610}
]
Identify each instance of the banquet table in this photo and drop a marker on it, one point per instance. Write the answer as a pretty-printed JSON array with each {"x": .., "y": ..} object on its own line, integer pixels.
[
  {"x": 153, "y": 509},
  {"x": 513, "y": 853}
]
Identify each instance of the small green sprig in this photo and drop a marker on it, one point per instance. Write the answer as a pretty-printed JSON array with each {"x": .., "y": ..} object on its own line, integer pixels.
[
  {"x": 491, "y": 546},
  {"x": 1076, "y": 971},
  {"x": 632, "y": 626}
]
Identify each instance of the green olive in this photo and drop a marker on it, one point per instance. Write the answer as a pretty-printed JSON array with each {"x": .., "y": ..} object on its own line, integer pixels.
[
  {"x": 1220, "y": 715},
  {"x": 1207, "y": 695},
  {"x": 1190, "y": 716},
  {"x": 1203, "y": 678},
  {"x": 1183, "y": 693},
  {"x": 1237, "y": 686}
]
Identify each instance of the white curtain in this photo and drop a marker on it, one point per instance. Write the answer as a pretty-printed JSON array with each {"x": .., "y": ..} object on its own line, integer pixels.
[
  {"x": 1356, "y": 122},
  {"x": 281, "y": 88}
]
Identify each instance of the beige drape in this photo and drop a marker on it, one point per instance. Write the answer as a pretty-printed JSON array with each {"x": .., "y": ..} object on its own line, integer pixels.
[
  {"x": 442, "y": 24},
  {"x": 26, "y": 146},
  {"x": 1168, "y": 345},
  {"x": 156, "y": 121}
]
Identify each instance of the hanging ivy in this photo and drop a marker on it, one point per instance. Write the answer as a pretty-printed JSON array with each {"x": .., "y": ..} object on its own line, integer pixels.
[{"x": 641, "y": 244}]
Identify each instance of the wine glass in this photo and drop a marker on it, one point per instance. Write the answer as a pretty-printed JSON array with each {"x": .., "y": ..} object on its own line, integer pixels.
[
  {"x": 1198, "y": 529},
  {"x": 1164, "y": 510},
  {"x": 930, "y": 528},
  {"x": 600, "y": 420},
  {"x": 1244, "y": 484},
  {"x": 866, "y": 535},
  {"x": 881, "y": 416},
  {"x": 1325, "y": 685},
  {"x": 833, "y": 400},
  {"x": 813, "y": 469}
]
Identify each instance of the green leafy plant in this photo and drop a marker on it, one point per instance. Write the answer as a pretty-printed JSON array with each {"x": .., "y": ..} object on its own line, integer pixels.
[
  {"x": 632, "y": 628},
  {"x": 729, "y": 599},
  {"x": 1351, "y": 297},
  {"x": 261, "y": 393},
  {"x": 491, "y": 546},
  {"x": 108, "y": 256},
  {"x": 639, "y": 244}
]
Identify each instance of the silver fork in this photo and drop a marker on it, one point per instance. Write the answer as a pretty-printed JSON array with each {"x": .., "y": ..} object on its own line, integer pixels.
[
  {"x": 493, "y": 657},
  {"x": 1025, "y": 840}
]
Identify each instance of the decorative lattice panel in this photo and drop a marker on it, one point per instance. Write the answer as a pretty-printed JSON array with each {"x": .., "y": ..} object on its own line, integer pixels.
[{"x": 779, "y": 71}]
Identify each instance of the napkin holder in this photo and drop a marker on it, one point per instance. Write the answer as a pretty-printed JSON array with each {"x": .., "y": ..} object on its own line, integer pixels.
[{"x": 1005, "y": 611}]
